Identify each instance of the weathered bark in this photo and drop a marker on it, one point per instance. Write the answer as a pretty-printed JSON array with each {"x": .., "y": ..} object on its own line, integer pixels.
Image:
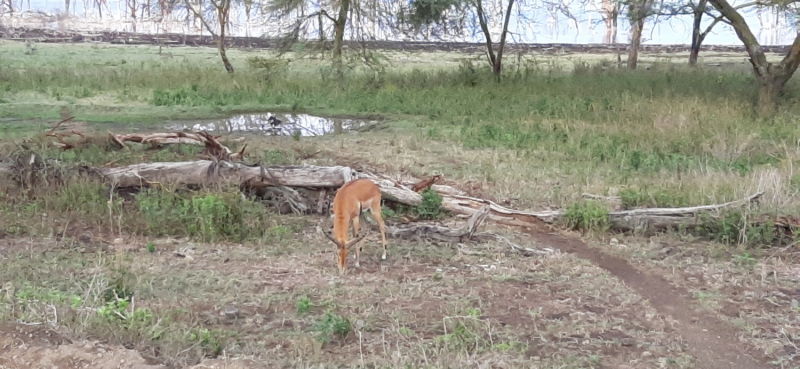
[
  {"x": 443, "y": 234},
  {"x": 203, "y": 172},
  {"x": 771, "y": 77},
  {"x": 339, "y": 28},
  {"x": 213, "y": 147}
]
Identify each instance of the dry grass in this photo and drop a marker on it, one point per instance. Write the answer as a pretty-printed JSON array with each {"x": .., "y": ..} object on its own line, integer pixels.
[{"x": 429, "y": 305}]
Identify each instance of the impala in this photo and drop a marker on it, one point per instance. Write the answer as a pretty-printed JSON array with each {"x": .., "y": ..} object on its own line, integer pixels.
[{"x": 348, "y": 204}]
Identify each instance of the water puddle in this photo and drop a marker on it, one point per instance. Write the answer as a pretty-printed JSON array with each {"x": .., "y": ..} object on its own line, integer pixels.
[{"x": 279, "y": 125}]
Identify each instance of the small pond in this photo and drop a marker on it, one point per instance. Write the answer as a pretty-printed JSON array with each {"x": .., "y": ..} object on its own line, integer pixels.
[{"x": 278, "y": 125}]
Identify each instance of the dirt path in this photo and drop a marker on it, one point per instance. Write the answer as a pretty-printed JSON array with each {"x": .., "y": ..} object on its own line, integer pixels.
[{"x": 712, "y": 342}]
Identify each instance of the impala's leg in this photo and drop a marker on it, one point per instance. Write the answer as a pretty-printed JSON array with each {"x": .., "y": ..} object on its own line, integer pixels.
[
  {"x": 376, "y": 213},
  {"x": 356, "y": 225}
]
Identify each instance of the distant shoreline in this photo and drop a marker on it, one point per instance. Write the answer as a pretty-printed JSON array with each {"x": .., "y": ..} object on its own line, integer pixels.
[{"x": 175, "y": 39}]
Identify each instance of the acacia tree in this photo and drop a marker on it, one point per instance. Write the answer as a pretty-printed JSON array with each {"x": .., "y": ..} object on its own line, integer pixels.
[
  {"x": 772, "y": 77},
  {"x": 698, "y": 10},
  {"x": 218, "y": 12},
  {"x": 465, "y": 14},
  {"x": 308, "y": 16}
]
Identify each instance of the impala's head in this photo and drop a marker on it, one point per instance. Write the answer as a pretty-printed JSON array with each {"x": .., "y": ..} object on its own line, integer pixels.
[{"x": 342, "y": 245}]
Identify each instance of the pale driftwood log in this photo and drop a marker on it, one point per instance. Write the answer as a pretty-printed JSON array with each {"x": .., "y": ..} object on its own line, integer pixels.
[
  {"x": 202, "y": 172},
  {"x": 444, "y": 234},
  {"x": 214, "y": 148},
  {"x": 664, "y": 218}
]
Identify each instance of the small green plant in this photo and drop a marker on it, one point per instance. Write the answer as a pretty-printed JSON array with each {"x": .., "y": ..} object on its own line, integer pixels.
[
  {"x": 304, "y": 305},
  {"x": 460, "y": 338},
  {"x": 406, "y": 331},
  {"x": 211, "y": 341},
  {"x": 280, "y": 232},
  {"x": 587, "y": 216},
  {"x": 744, "y": 260},
  {"x": 151, "y": 247},
  {"x": 431, "y": 206},
  {"x": 331, "y": 325}
]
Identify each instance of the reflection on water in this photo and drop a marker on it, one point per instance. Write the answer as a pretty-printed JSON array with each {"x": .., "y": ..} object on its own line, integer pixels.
[{"x": 276, "y": 124}]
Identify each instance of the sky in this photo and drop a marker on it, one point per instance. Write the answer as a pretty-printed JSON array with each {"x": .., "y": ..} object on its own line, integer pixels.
[{"x": 547, "y": 28}]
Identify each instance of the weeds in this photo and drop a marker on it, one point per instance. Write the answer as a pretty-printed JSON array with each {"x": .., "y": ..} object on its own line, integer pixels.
[
  {"x": 331, "y": 326},
  {"x": 304, "y": 305},
  {"x": 210, "y": 216},
  {"x": 431, "y": 206},
  {"x": 733, "y": 227},
  {"x": 587, "y": 216}
]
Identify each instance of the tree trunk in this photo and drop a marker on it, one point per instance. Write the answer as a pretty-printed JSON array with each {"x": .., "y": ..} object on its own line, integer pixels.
[
  {"x": 636, "y": 39},
  {"x": 610, "y": 10},
  {"x": 339, "y": 27},
  {"x": 697, "y": 36},
  {"x": 487, "y": 36},
  {"x": 614, "y": 25},
  {"x": 769, "y": 91},
  {"x": 772, "y": 77},
  {"x": 496, "y": 68},
  {"x": 222, "y": 12}
]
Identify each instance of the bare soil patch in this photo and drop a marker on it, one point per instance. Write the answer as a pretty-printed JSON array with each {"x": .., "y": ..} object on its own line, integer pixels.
[{"x": 714, "y": 343}]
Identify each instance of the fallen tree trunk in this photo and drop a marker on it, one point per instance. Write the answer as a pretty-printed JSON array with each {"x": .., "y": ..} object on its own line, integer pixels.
[{"x": 206, "y": 172}]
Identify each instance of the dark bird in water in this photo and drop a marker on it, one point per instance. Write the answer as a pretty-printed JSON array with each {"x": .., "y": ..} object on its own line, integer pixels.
[{"x": 274, "y": 122}]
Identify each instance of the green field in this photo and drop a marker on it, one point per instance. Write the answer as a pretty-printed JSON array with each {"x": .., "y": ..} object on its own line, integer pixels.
[{"x": 554, "y": 128}]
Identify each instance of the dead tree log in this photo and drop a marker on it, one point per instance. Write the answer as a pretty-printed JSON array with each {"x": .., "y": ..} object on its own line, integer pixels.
[
  {"x": 441, "y": 233},
  {"x": 665, "y": 218},
  {"x": 205, "y": 172},
  {"x": 213, "y": 148}
]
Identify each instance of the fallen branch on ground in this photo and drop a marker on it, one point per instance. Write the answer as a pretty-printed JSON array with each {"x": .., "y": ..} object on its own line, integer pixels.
[
  {"x": 213, "y": 147},
  {"x": 443, "y": 234},
  {"x": 60, "y": 136}
]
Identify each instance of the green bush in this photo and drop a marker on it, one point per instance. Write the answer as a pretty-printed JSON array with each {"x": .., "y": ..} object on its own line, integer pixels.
[
  {"x": 431, "y": 206},
  {"x": 587, "y": 215},
  {"x": 332, "y": 325}
]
